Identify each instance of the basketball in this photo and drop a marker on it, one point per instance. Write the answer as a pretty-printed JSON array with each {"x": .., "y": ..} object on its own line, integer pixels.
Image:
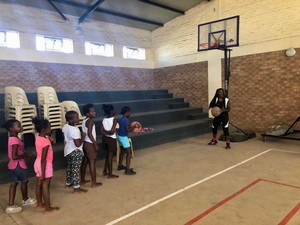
[
  {"x": 215, "y": 111},
  {"x": 137, "y": 126}
]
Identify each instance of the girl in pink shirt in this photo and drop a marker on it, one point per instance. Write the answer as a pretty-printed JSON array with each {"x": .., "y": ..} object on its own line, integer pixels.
[
  {"x": 43, "y": 166},
  {"x": 17, "y": 166}
]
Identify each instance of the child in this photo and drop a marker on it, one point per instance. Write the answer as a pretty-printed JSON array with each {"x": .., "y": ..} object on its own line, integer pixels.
[
  {"x": 222, "y": 102},
  {"x": 90, "y": 145},
  {"x": 109, "y": 142},
  {"x": 73, "y": 151},
  {"x": 17, "y": 166},
  {"x": 43, "y": 164},
  {"x": 123, "y": 140}
]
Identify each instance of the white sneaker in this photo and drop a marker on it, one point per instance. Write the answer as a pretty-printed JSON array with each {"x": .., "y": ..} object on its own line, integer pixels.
[
  {"x": 13, "y": 209},
  {"x": 29, "y": 201}
]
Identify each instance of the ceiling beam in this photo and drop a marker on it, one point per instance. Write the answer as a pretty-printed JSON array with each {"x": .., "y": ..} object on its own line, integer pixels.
[
  {"x": 113, "y": 13},
  {"x": 90, "y": 10},
  {"x": 162, "y": 6},
  {"x": 57, "y": 10}
]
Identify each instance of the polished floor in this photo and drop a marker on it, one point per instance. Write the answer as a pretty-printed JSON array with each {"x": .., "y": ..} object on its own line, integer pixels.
[{"x": 184, "y": 182}]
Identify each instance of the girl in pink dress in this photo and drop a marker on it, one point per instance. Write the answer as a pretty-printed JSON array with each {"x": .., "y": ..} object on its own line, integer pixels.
[
  {"x": 43, "y": 166},
  {"x": 17, "y": 166}
]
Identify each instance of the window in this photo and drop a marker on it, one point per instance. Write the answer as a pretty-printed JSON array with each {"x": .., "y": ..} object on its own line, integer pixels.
[
  {"x": 134, "y": 53},
  {"x": 94, "y": 48},
  {"x": 9, "y": 39},
  {"x": 55, "y": 44}
]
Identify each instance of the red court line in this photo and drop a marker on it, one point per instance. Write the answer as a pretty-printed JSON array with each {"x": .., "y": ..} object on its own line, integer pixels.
[
  {"x": 290, "y": 215},
  {"x": 274, "y": 182},
  {"x": 283, "y": 222},
  {"x": 221, "y": 203}
]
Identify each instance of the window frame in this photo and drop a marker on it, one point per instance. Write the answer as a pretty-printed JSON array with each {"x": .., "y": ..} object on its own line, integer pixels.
[
  {"x": 133, "y": 49},
  {"x": 66, "y": 44},
  {"x": 10, "y": 43}
]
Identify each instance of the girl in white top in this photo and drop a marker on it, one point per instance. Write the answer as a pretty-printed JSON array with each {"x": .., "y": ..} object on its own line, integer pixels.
[
  {"x": 90, "y": 146},
  {"x": 109, "y": 141},
  {"x": 73, "y": 151}
]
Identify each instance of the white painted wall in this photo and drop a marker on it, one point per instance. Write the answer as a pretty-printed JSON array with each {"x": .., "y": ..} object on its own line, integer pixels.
[{"x": 31, "y": 21}]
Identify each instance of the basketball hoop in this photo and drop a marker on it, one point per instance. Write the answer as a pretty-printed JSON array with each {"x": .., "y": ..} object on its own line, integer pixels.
[{"x": 210, "y": 45}]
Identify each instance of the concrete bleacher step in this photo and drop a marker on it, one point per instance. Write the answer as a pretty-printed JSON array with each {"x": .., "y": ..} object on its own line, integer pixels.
[
  {"x": 138, "y": 105},
  {"x": 179, "y": 105},
  {"x": 163, "y": 95},
  {"x": 170, "y": 132},
  {"x": 164, "y": 116},
  {"x": 161, "y": 134},
  {"x": 194, "y": 116},
  {"x": 109, "y": 96}
]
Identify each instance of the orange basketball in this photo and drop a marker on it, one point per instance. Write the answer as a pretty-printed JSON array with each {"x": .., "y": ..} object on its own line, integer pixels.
[
  {"x": 215, "y": 111},
  {"x": 137, "y": 126}
]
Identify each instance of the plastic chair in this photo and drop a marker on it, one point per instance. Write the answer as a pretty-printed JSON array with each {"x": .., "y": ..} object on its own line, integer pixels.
[
  {"x": 73, "y": 106},
  {"x": 17, "y": 107},
  {"x": 49, "y": 107}
]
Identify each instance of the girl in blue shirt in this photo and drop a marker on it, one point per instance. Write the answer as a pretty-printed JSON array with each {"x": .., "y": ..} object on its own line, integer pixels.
[{"x": 122, "y": 136}]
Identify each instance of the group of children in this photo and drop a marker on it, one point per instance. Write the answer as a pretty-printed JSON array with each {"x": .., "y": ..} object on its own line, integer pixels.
[{"x": 80, "y": 150}]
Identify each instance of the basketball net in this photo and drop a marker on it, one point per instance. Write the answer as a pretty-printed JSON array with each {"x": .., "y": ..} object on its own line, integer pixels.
[{"x": 215, "y": 44}]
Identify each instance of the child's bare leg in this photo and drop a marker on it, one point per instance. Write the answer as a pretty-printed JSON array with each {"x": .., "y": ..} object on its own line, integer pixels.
[
  {"x": 121, "y": 156},
  {"x": 12, "y": 193},
  {"x": 105, "y": 173},
  {"x": 85, "y": 161},
  {"x": 38, "y": 193},
  {"x": 92, "y": 164},
  {"x": 24, "y": 190},
  {"x": 110, "y": 164},
  {"x": 128, "y": 158},
  {"x": 46, "y": 196}
]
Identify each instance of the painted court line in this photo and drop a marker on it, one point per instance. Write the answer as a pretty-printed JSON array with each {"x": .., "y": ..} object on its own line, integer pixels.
[
  {"x": 290, "y": 215},
  {"x": 184, "y": 189},
  {"x": 208, "y": 211}
]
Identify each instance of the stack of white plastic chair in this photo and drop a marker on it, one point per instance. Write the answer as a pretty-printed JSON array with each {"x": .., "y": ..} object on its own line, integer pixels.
[
  {"x": 17, "y": 107},
  {"x": 49, "y": 107},
  {"x": 73, "y": 106}
]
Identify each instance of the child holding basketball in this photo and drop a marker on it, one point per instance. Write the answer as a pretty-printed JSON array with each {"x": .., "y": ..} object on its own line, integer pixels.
[
  {"x": 109, "y": 139},
  {"x": 43, "y": 166},
  {"x": 17, "y": 166},
  {"x": 219, "y": 100},
  {"x": 90, "y": 146},
  {"x": 122, "y": 136},
  {"x": 73, "y": 151}
]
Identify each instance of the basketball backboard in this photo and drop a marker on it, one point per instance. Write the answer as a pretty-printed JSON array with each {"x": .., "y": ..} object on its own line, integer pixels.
[{"x": 219, "y": 34}]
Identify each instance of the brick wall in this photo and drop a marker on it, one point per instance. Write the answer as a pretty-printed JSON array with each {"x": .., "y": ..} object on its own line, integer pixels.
[
  {"x": 66, "y": 77},
  {"x": 264, "y": 90},
  {"x": 188, "y": 81}
]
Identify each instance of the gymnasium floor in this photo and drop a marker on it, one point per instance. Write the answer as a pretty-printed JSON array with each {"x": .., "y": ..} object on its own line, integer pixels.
[{"x": 184, "y": 182}]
